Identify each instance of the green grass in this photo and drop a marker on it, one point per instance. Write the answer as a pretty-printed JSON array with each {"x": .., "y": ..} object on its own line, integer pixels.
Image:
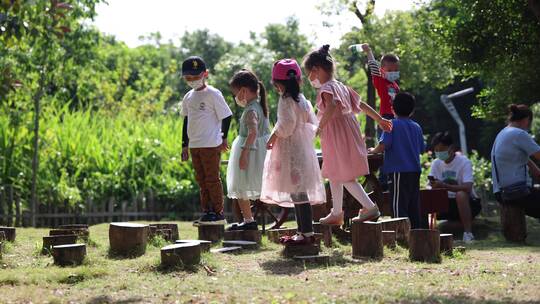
[{"x": 490, "y": 271}]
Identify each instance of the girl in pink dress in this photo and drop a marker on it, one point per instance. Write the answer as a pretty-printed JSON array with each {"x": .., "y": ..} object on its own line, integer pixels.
[
  {"x": 291, "y": 175},
  {"x": 343, "y": 147}
]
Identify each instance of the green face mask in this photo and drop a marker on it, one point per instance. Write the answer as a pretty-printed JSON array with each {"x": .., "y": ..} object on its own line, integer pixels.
[{"x": 442, "y": 155}]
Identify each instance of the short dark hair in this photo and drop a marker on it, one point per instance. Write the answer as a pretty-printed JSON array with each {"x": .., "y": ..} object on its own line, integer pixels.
[
  {"x": 390, "y": 58},
  {"x": 517, "y": 112},
  {"x": 443, "y": 138},
  {"x": 404, "y": 104}
]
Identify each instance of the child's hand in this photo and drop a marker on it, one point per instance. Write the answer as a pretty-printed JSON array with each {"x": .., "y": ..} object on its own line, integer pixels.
[
  {"x": 436, "y": 184},
  {"x": 224, "y": 145},
  {"x": 244, "y": 159},
  {"x": 185, "y": 154},
  {"x": 370, "y": 150},
  {"x": 366, "y": 48},
  {"x": 271, "y": 141},
  {"x": 386, "y": 125}
]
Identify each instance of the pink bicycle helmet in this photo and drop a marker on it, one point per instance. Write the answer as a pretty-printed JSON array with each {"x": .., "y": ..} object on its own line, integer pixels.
[{"x": 285, "y": 69}]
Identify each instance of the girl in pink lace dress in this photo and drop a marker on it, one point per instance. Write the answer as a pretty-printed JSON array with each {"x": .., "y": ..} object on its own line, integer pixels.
[
  {"x": 343, "y": 147},
  {"x": 291, "y": 175}
]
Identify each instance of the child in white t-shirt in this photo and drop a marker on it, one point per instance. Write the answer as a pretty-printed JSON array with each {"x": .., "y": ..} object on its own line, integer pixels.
[{"x": 204, "y": 135}]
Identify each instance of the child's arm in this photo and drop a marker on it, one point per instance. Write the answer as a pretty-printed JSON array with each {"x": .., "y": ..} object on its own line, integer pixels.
[
  {"x": 378, "y": 149},
  {"x": 329, "y": 111},
  {"x": 185, "y": 140},
  {"x": 373, "y": 65},
  {"x": 252, "y": 123},
  {"x": 225, "y": 124},
  {"x": 385, "y": 124}
]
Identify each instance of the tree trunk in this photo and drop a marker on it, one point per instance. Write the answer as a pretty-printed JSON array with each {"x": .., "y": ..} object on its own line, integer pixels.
[
  {"x": 274, "y": 234},
  {"x": 72, "y": 254},
  {"x": 402, "y": 226},
  {"x": 10, "y": 205},
  {"x": 55, "y": 240},
  {"x": 205, "y": 245},
  {"x": 10, "y": 233},
  {"x": 181, "y": 254},
  {"x": 128, "y": 239},
  {"x": 243, "y": 235},
  {"x": 367, "y": 240},
  {"x": 424, "y": 245},
  {"x": 17, "y": 211},
  {"x": 447, "y": 243},
  {"x": 389, "y": 238},
  {"x": 291, "y": 251},
  {"x": 513, "y": 223},
  {"x": 212, "y": 233},
  {"x": 241, "y": 243},
  {"x": 173, "y": 227},
  {"x": 534, "y": 5}
]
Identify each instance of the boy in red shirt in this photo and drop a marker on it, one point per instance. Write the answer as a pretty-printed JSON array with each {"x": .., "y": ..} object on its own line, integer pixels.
[{"x": 384, "y": 77}]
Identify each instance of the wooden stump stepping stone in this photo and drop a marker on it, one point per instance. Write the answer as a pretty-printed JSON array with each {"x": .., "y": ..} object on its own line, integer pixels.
[
  {"x": 514, "y": 225},
  {"x": 447, "y": 243},
  {"x": 55, "y": 240},
  {"x": 326, "y": 231},
  {"x": 389, "y": 238},
  {"x": 166, "y": 234},
  {"x": 241, "y": 243},
  {"x": 128, "y": 239},
  {"x": 274, "y": 234},
  {"x": 161, "y": 226},
  {"x": 213, "y": 233},
  {"x": 243, "y": 235},
  {"x": 424, "y": 245},
  {"x": 292, "y": 250},
  {"x": 367, "y": 240},
  {"x": 71, "y": 254},
  {"x": 81, "y": 233},
  {"x": 401, "y": 226},
  {"x": 9, "y": 232},
  {"x": 74, "y": 226},
  {"x": 205, "y": 245},
  {"x": 226, "y": 249},
  {"x": 323, "y": 259},
  {"x": 181, "y": 254}
]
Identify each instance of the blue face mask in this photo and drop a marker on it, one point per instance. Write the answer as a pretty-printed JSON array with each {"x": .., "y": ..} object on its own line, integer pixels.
[
  {"x": 392, "y": 76},
  {"x": 442, "y": 155}
]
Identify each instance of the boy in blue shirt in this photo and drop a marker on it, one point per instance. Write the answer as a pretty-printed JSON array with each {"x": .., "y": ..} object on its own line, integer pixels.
[{"x": 402, "y": 148}]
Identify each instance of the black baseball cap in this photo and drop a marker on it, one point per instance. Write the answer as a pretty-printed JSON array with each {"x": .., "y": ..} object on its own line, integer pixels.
[{"x": 194, "y": 66}]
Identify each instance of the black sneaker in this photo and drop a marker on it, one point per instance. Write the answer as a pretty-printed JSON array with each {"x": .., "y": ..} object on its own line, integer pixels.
[
  {"x": 243, "y": 226},
  {"x": 213, "y": 219},
  {"x": 203, "y": 218}
]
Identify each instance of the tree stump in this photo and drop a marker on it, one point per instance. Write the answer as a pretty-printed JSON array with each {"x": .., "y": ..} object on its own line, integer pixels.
[
  {"x": 55, "y": 240},
  {"x": 240, "y": 243},
  {"x": 292, "y": 250},
  {"x": 181, "y": 254},
  {"x": 74, "y": 226},
  {"x": 447, "y": 243},
  {"x": 226, "y": 249},
  {"x": 322, "y": 259},
  {"x": 367, "y": 240},
  {"x": 514, "y": 226},
  {"x": 245, "y": 235},
  {"x": 274, "y": 234},
  {"x": 128, "y": 239},
  {"x": 326, "y": 231},
  {"x": 166, "y": 234},
  {"x": 205, "y": 245},
  {"x": 212, "y": 233},
  {"x": 389, "y": 238},
  {"x": 81, "y": 233},
  {"x": 424, "y": 245},
  {"x": 9, "y": 232},
  {"x": 173, "y": 227},
  {"x": 71, "y": 254},
  {"x": 401, "y": 226}
]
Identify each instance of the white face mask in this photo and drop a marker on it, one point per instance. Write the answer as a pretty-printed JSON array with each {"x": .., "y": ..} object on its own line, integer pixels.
[
  {"x": 392, "y": 76},
  {"x": 240, "y": 102},
  {"x": 316, "y": 83},
  {"x": 196, "y": 84}
]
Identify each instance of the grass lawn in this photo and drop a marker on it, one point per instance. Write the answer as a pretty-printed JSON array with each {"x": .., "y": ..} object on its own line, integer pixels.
[{"x": 490, "y": 271}]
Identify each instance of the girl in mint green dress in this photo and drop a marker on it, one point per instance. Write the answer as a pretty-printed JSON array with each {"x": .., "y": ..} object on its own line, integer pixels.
[{"x": 248, "y": 152}]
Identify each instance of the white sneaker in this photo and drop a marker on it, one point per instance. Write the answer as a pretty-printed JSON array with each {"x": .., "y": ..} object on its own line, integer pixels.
[{"x": 468, "y": 237}]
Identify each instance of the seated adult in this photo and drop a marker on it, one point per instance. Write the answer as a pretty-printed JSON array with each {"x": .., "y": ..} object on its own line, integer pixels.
[
  {"x": 453, "y": 171},
  {"x": 511, "y": 157}
]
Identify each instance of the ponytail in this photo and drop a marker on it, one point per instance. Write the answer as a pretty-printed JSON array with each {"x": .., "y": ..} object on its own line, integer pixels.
[
  {"x": 518, "y": 112},
  {"x": 262, "y": 96}
]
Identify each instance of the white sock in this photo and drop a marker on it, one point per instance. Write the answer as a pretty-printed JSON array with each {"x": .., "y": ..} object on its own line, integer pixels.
[
  {"x": 337, "y": 197},
  {"x": 249, "y": 220},
  {"x": 358, "y": 192}
]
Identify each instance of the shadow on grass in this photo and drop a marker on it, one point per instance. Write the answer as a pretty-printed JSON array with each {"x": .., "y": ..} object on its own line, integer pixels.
[
  {"x": 104, "y": 299},
  {"x": 461, "y": 298},
  {"x": 113, "y": 255}
]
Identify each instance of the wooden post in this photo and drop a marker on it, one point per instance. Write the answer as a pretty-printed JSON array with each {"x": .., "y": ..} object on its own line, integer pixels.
[
  {"x": 389, "y": 238},
  {"x": 10, "y": 233},
  {"x": 55, "y": 240},
  {"x": 424, "y": 245},
  {"x": 514, "y": 225},
  {"x": 243, "y": 235},
  {"x": 181, "y": 254},
  {"x": 205, "y": 245},
  {"x": 212, "y": 233},
  {"x": 128, "y": 239},
  {"x": 447, "y": 243},
  {"x": 72, "y": 254},
  {"x": 401, "y": 226},
  {"x": 367, "y": 240}
]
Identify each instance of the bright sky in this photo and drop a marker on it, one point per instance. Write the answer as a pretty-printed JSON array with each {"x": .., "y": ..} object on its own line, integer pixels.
[{"x": 232, "y": 19}]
